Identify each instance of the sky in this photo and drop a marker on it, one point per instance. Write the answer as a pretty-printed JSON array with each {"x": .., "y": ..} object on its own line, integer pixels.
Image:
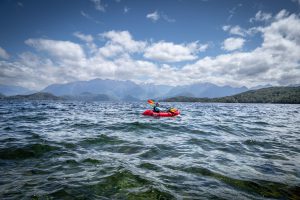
[{"x": 171, "y": 42}]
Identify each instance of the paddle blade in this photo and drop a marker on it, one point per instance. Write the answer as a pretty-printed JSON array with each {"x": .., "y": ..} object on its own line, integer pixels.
[
  {"x": 151, "y": 102},
  {"x": 172, "y": 110}
]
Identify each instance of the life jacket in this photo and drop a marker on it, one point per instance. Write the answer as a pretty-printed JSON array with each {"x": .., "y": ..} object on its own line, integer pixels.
[{"x": 156, "y": 109}]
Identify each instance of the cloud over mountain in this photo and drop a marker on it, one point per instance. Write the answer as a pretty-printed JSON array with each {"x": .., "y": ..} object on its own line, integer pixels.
[{"x": 118, "y": 55}]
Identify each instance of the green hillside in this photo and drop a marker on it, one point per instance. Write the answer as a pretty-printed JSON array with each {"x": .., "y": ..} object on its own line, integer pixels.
[
  {"x": 290, "y": 95},
  {"x": 35, "y": 96}
]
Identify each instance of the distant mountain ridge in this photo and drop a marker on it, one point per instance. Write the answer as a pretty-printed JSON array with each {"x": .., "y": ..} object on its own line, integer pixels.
[
  {"x": 114, "y": 89},
  {"x": 35, "y": 96},
  {"x": 86, "y": 96},
  {"x": 289, "y": 95},
  {"x": 117, "y": 90},
  {"x": 205, "y": 90},
  {"x": 121, "y": 90},
  {"x": 9, "y": 90}
]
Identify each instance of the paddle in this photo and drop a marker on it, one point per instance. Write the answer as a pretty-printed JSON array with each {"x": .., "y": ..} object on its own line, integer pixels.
[
  {"x": 172, "y": 110},
  {"x": 152, "y": 103}
]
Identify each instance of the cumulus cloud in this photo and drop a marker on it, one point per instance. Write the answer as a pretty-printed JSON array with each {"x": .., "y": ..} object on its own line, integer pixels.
[
  {"x": 3, "y": 54},
  {"x": 89, "y": 39},
  {"x": 231, "y": 44},
  {"x": 120, "y": 41},
  {"x": 235, "y": 30},
  {"x": 261, "y": 16},
  {"x": 61, "y": 50},
  {"x": 170, "y": 52},
  {"x": 275, "y": 61},
  {"x": 282, "y": 14}
]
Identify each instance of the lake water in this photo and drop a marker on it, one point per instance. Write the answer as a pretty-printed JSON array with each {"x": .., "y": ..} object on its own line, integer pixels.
[{"x": 96, "y": 150}]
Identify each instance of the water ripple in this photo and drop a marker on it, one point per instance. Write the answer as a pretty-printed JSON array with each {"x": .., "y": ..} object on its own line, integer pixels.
[{"x": 94, "y": 150}]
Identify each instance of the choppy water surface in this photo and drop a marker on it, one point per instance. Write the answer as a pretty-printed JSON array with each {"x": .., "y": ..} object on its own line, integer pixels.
[{"x": 78, "y": 150}]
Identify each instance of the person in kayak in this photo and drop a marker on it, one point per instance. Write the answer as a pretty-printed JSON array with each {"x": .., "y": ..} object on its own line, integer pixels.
[{"x": 157, "y": 108}]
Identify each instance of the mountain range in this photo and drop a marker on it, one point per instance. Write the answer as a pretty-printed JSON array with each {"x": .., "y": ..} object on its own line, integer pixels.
[
  {"x": 10, "y": 90},
  {"x": 106, "y": 89},
  {"x": 126, "y": 90}
]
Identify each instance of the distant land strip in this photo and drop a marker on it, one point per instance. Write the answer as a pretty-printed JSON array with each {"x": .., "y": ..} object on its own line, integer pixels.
[{"x": 285, "y": 95}]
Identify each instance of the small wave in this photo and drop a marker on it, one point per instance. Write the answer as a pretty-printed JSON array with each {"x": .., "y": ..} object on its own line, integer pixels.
[
  {"x": 29, "y": 118},
  {"x": 262, "y": 188},
  {"x": 160, "y": 151},
  {"x": 29, "y": 151},
  {"x": 264, "y": 144},
  {"x": 150, "y": 166},
  {"x": 102, "y": 139},
  {"x": 7, "y": 128},
  {"x": 131, "y": 126},
  {"x": 91, "y": 161},
  {"x": 125, "y": 149},
  {"x": 84, "y": 125},
  {"x": 123, "y": 184},
  {"x": 261, "y": 123}
]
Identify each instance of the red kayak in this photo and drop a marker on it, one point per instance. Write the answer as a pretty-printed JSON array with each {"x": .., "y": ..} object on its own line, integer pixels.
[{"x": 161, "y": 114}]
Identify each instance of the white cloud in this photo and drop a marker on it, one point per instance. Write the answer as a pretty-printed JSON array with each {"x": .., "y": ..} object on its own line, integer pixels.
[
  {"x": 282, "y": 14},
  {"x": 3, "y": 54},
  {"x": 261, "y": 16},
  {"x": 89, "y": 39},
  {"x": 203, "y": 47},
  {"x": 110, "y": 50},
  {"x": 237, "y": 30},
  {"x": 226, "y": 27},
  {"x": 276, "y": 61},
  {"x": 153, "y": 16},
  {"x": 170, "y": 52},
  {"x": 124, "y": 40},
  {"x": 231, "y": 44},
  {"x": 62, "y": 50},
  {"x": 83, "y": 37},
  {"x": 98, "y": 5}
]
